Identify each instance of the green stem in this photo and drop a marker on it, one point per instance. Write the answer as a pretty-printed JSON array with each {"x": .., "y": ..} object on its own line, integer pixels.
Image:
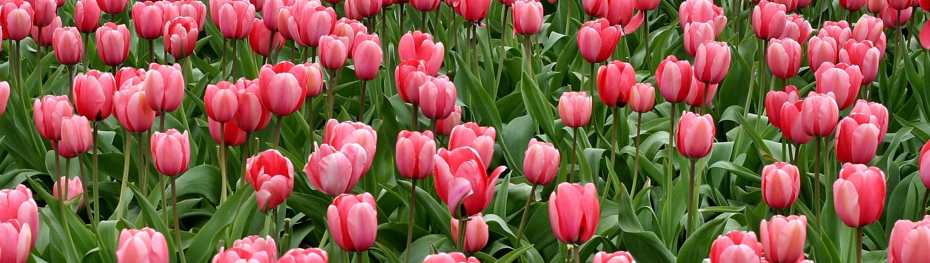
[
  {"x": 361, "y": 104},
  {"x": 235, "y": 51},
  {"x": 223, "y": 181},
  {"x": 96, "y": 217},
  {"x": 463, "y": 222},
  {"x": 277, "y": 131},
  {"x": 223, "y": 59},
  {"x": 613, "y": 139},
  {"x": 410, "y": 219},
  {"x": 923, "y": 203},
  {"x": 528, "y": 53},
  {"x": 639, "y": 126},
  {"x": 39, "y": 54},
  {"x": 859, "y": 244},
  {"x": 151, "y": 51},
  {"x": 526, "y": 215},
  {"x": 571, "y": 176},
  {"x": 122, "y": 189},
  {"x": 500, "y": 61},
  {"x": 816, "y": 184},
  {"x": 85, "y": 196},
  {"x": 86, "y": 50},
  {"x": 177, "y": 224},
  {"x": 414, "y": 117},
  {"x": 330, "y": 93},
  {"x": 576, "y": 250},
  {"x": 140, "y": 172},
  {"x": 647, "y": 58},
  {"x": 692, "y": 206}
]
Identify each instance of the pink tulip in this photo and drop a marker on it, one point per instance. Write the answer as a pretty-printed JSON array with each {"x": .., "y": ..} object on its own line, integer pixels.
[
  {"x": 251, "y": 116},
  {"x": 597, "y": 40},
  {"x": 260, "y": 36},
  {"x": 877, "y": 114},
  {"x": 414, "y": 154},
  {"x": 164, "y": 87},
  {"x": 642, "y": 97},
  {"x": 798, "y": 29},
  {"x": 420, "y": 46},
  {"x": 857, "y": 139},
  {"x": 695, "y": 135},
  {"x": 842, "y": 79},
  {"x": 333, "y": 51},
  {"x": 614, "y": 81},
  {"x": 16, "y": 19},
  {"x": 18, "y": 240},
  {"x": 781, "y": 184},
  {"x": 112, "y": 6},
  {"x": 877, "y": 6},
  {"x": 336, "y": 172},
  {"x": 472, "y": 10},
  {"x": 837, "y": 30},
  {"x": 696, "y": 94},
  {"x": 774, "y": 101},
  {"x": 820, "y": 51},
  {"x": 900, "y": 4},
  {"x": 5, "y": 96},
  {"x": 527, "y": 17},
  {"x": 69, "y": 49},
  {"x": 476, "y": 233},
  {"x": 76, "y": 136},
  {"x": 93, "y": 94},
  {"x": 48, "y": 32},
  {"x": 575, "y": 109},
  {"x": 461, "y": 179},
  {"x": 236, "y": 19},
  {"x": 702, "y": 11},
  {"x": 820, "y": 114},
  {"x": 221, "y": 101},
  {"x": 142, "y": 245},
  {"x": 180, "y": 36},
  {"x": 231, "y": 134},
  {"x": 310, "y": 23},
  {"x": 283, "y": 87},
  {"x": 86, "y": 15},
  {"x": 784, "y": 57},
  {"x": 353, "y": 221},
  {"x": 712, "y": 62},
  {"x": 863, "y": 55},
  {"x": 367, "y": 57},
  {"x": 437, "y": 97},
  {"x": 646, "y": 5},
  {"x": 595, "y": 8},
  {"x": 171, "y": 152},
  {"x": 340, "y": 134},
  {"x": 454, "y": 257},
  {"x": 425, "y": 5},
  {"x": 194, "y": 9},
  {"x": 445, "y": 126},
  {"x": 360, "y": 9},
  {"x": 479, "y": 138},
  {"x": 131, "y": 75},
  {"x": 783, "y": 238},
  {"x": 132, "y": 110},
  {"x": 736, "y": 247},
  {"x": 674, "y": 78},
  {"x": 113, "y": 43},
  {"x": 250, "y": 249},
  {"x": 20, "y": 215},
  {"x": 909, "y": 241},
  {"x": 870, "y": 28},
  {"x": 695, "y": 34},
  {"x": 859, "y": 194},
  {"x": 409, "y": 76},
  {"x": 148, "y": 18},
  {"x": 574, "y": 211},
  {"x": 540, "y": 162},
  {"x": 272, "y": 176},
  {"x": 792, "y": 124},
  {"x": 893, "y": 18},
  {"x": 74, "y": 188},
  {"x": 852, "y": 5},
  {"x": 305, "y": 255},
  {"x": 48, "y": 113}
]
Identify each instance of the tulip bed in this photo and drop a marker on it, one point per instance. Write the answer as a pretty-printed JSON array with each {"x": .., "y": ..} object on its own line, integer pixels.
[{"x": 288, "y": 131}]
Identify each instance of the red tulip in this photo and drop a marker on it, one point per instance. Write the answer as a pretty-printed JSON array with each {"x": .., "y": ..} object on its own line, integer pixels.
[
  {"x": 305, "y": 255},
  {"x": 142, "y": 245},
  {"x": 353, "y": 221},
  {"x": 766, "y": 19},
  {"x": 736, "y": 247},
  {"x": 425, "y": 5},
  {"x": 48, "y": 113},
  {"x": 695, "y": 135},
  {"x": 646, "y": 5},
  {"x": 876, "y": 6},
  {"x": 476, "y": 233},
  {"x": 597, "y": 40},
  {"x": 643, "y": 97},
  {"x": 859, "y": 194},
  {"x": 445, "y": 126},
  {"x": 231, "y": 135},
  {"x": 76, "y": 137},
  {"x": 74, "y": 188},
  {"x": 221, "y": 101},
  {"x": 695, "y": 34},
  {"x": 696, "y": 94},
  {"x": 454, "y": 257},
  {"x": 575, "y": 109},
  {"x": 540, "y": 162},
  {"x": 674, "y": 78},
  {"x": 893, "y": 18},
  {"x": 620, "y": 12},
  {"x": 420, "y": 46},
  {"x": 272, "y": 176},
  {"x": 527, "y": 17},
  {"x": 181, "y": 36},
  {"x": 48, "y": 32},
  {"x": 5, "y": 96},
  {"x": 132, "y": 110},
  {"x": 774, "y": 101},
  {"x": 367, "y": 57},
  {"x": 472, "y": 10},
  {"x": 336, "y": 172},
  {"x": 16, "y": 20},
  {"x": 842, "y": 79},
  {"x": 171, "y": 152},
  {"x": 87, "y": 15},
  {"x": 852, "y": 5},
  {"x": 712, "y": 62},
  {"x": 702, "y": 11},
  {"x": 437, "y": 97},
  {"x": 310, "y": 23},
  {"x": 333, "y": 51},
  {"x": 909, "y": 241},
  {"x": 251, "y": 116},
  {"x": 462, "y": 179},
  {"x": 784, "y": 57},
  {"x": 236, "y": 19},
  {"x": 164, "y": 87},
  {"x": 870, "y": 28},
  {"x": 783, "y": 238},
  {"x": 792, "y": 124},
  {"x": 614, "y": 81},
  {"x": 574, "y": 211},
  {"x": 595, "y": 8},
  {"x": 283, "y": 87},
  {"x": 820, "y": 113},
  {"x": 900, "y": 4},
  {"x": 20, "y": 215},
  {"x": 249, "y": 249},
  {"x": 414, "y": 154},
  {"x": 479, "y": 138},
  {"x": 260, "y": 36},
  {"x": 863, "y": 55},
  {"x": 148, "y": 19},
  {"x": 69, "y": 49},
  {"x": 409, "y": 76},
  {"x": 797, "y": 28},
  {"x": 93, "y": 94},
  {"x": 821, "y": 50},
  {"x": 113, "y": 43},
  {"x": 341, "y": 134},
  {"x": 781, "y": 184},
  {"x": 112, "y": 6}
]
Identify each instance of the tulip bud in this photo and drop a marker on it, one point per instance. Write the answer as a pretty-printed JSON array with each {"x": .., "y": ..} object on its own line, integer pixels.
[
  {"x": 476, "y": 233},
  {"x": 859, "y": 194},
  {"x": 86, "y": 15},
  {"x": 249, "y": 249},
  {"x": 736, "y": 247},
  {"x": 113, "y": 43},
  {"x": 420, "y": 46},
  {"x": 353, "y": 221},
  {"x": 221, "y": 101},
  {"x": 74, "y": 187},
  {"x": 132, "y": 110},
  {"x": 164, "y": 87},
  {"x": 863, "y": 55},
  {"x": 251, "y": 116},
  {"x": 527, "y": 17},
  {"x": 48, "y": 32},
  {"x": 695, "y": 34},
  {"x": 783, "y": 238},
  {"x": 695, "y": 135},
  {"x": 414, "y": 154},
  {"x": 437, "y": 97},
  {"x": 305, "y": 255},
  {"x": 598, "y": 39},
  {"x": 595, "y": 8},
  {"x": 784, "y": 57},
  {"x": 908, "y": 241},
  {"x": 893, "y": 18},
  {"x": 821, "y": 50},
  {"x": 445, "y": 126},
  {"x": 541, "y": 162},
  {"x": 843, "y": 80},
  {"x": 781, "y": 184},
  {"x": 792, "y": 124},
  {"x": 712, "y": 62},
  {"x": 774, "y": 101},
  {"x": 333, "y": 51},
  {"x": 69, "y": 49},
  {"x": 702, "y": 11},
  {"x": 93, "y": 94},
  {"x": 148, "y": 18},
  {"x": 852, "y": 5},
  {"x": 336, "y": 172},
  {"x": 409, "y": 76},
  {"x": 674, "y": 78},
  {"x": 614, "y": 81},
  {"x": 798, "y": 29},
  {"x": 171, "y": 152},
  {"x": 574, "y": 211},
  {"x": 260, "y": 36},
  {"x": 76, "y": 136},
  {"x": 425, "y": 5},
  {"x": 144, "y": 244},
  {"x": 820, "y": 113},
  {"x": 283, "y": 87},
  {"x": 575, "y": 109},
  {"x": 472, "y": 11},
  {"x": 767, "y": 19},
  {"x": 455, "y": 257},
  {"x": 462, "y": 179},
  {"x": 272, "y": 176},
  {"x": 643, "y": 97},
  {"x": 341, "y": 134},
  {"x": 112, "y": 6},
  {"x": 479, "y": 138},
  {"x": 701, "y": 94},
  {"x": 311, "y": 22},
  {"x": 231, "y": 134},
  {"x": 857, "y": 139},
  {"x": 367, "y": 57},
  {"x": 5, "y": 96},
  {"x": 181, "y": 36}
]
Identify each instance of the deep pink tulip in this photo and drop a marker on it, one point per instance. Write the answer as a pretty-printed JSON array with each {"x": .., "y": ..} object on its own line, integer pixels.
[
  {"x": 712, "y": 62},
  {"x": 821, "y": 50},
  {"x": 870, "y": 28},
  {"x": 367, "y": 58},
  {"x": 462, "y": 179},
  {"x": 5, "y": 96},
  {"x": 437, "y": 97},
  {"x": 781, "y": 184},
  {"x": 129, "y": 74},
  {"x": 614, "y": 81},
  {"x": 842, "y": 79},
  {"x": 575, "y": 109},
  {"x": 797, "y": 28},
  {"x": 455, "y": 257},
  {"x": 859, "y": 194},
  {"x": 852, "y": 5},
  {"x": 595, "y": 8},
  {"x": 76, "y": 137},
  {"x": 597, "y": 40},
  {"x": 148, "y": 19},
  {"x": 310, "y": 23},
  {"x": 48, "y": 113},
  {"x": 180, "y": 36},
  {"x": 305, "y": 255},
  {"x": 18, "y": 211},
  {"x": 527, "y": 17},
  {"x": 877, "y": 114},
  {"x": 236, "y": 19},
  {"x": 270, "y": 9},
  {"x": 231, "y": 135},
  {"x": 908, "y": 242},
  {"x": 132, "y": 110},
  {"x": 646, "y": 5},
  {"x": 260, "y": 36},
  {"x": 93, "y": 94},
  {"x": 333, "y": 51},
  {"x": 876, "y": 6},
  {"x": 113, "y": 43},
  {"x": 283, "y": 87},
  {"x": 445, "y": 126},
  {"x": 541, "y": 162},
  {"x": 857, "y": 139},
  {"x": 251, "y": 116},
  {"x": 164, "y": 87},
  {"x": 414, "y": 154},
  {"x": 784, "y": 57},
  {"x": 783, "y": 238},
  {"x": 69, "y": 49},
  {"x": 774, "y": 101},
  {"x": 837, "y": 30},
  {"x": 340, "y": 134},
  {"x": 249, "y": 249},
  {"x": 643, "y": 97},
  {"x": 18, "y": 240},
  {"x": 736, "y": 247},
  {"x": 221, "y": 101},
  {"x": 16, "y": 19},
  {"x": 353, "y": 221},
  {"x": 194, "y": 9},
  {"x": 74, "y": 188},
  {"x": 702, "y": 11},
  {"x": 574, "y": 212},
  {"x": 674, "y": 78},
  {"x": 171, "y": 152},
  {"x": 142, "y": 245},
  {"x": 892, "y": 18},
  {"x": 417, "y": 45},
  {"x": 820, "y": 114},
  {"x": 87, "y": 15},
  {"x": 45, "y": 12},
  {"x": 272, "y": 176},
  {"x": 695, "y": 135},
  {"x": 695, "y": 34},
  {"x": 697, "y": 94},
  {"x": 900, "y": 4},
  {"x": 425, "y": 5},
  {"x": 112, "y": 6},
  {"x": 336, "y": 172},
  {"x": 479, "y": 138},
  {"x": 48, "y": 32},
  {"x": 621, "y": 12},
  {"x": 792, "y": 125},
  {"x": 863, "y": 55},
  {"x": 170, "y": 11},
  {"x": 472, "y": 10},
  {"x": 409, "y": 76},
  {"x": 476, "y": 233},
  {"x": 348, "y": 28}
]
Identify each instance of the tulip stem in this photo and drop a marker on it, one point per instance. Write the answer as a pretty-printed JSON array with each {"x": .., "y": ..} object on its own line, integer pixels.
[
  {"x": 85, "y": 195},
  {"x": 436, "y": 21},
  {"x": 576, "y": 250},
  {"x": 223, "y": 59},
  {"x": 671, "y": 160},
  {"x": 177, "y": 224},
  {"x": 359, "y": 255},
  {"x": 223, "y": 181},
  {"x": 639, "y": 126},
  {"x": 568, "y": 17},
  {"x": 161, "y": 121},
  {"x": 613, "y": 139},
  {"x": 361, "y": 104},
  {"x": 310, "y": 114},
  {"x": 330, "y": 93},
  {"x": 526, "y": 215},
  {"x": 141, "y": 173},
  {"x": 591, "y": 79},
  {"x": 901, "y": 46},
  {"x": 816, "y": 183},
  {"x": 474, "y": 53},
  {"x": 571, "y": 176},
  {"x": 692, "y": 205},
  {"x": 859, "y": 244},
  {"x": 127, "y": 148},
  {"x": 647, "y": 57},
  {"x": 410, "y": 219},
  {"x": 151, "y": 51},
  {"x": 401, "y": 17},
  {"x": 39, "y": 55},
  {"x": 96, "y": 216},
  {"x": 528, "y": 52},
  {"x": 277, "y": 131},
  {"x": 86, "y": 49},
  {"x": 500, "y": 61},
  {"x": 463, "y": 222},
  {"x": 61, "y": 198}
]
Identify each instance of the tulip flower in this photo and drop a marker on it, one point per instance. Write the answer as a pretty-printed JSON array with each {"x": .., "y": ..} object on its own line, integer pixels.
[
  {"x": 409, "y": 76},
  {"x": 597, "y": 40},
  {"x": 575, "y": 109},
  {"x": 129, "y": 74},
  {"x": 236, "y": 19},
  {"x": 877, "y": 6},
  {"x": 798, "y": 29},
  {"x": 44, "y": 12},
  {"x": 196, "y": 10},
  {"x": 616, "y": 257},
  {"x": 445, "y": 126},
  {"x": 843, "y": 80},
  {"x": 148, "y": 18},
  {"x": 837, "y": 30},
  {"x": 144, "y": 244},
  {"x": 908, "y": 241},
  {"x": 249, "y": 249},
  {"x": 86, "y": 15},
  {"x": 360, "y": 9},
  {"x": 367, "y": 57},
  {"x": 336, "y": 172},
  {"x": 340, "y": 134},
  {"x": 347, "y": 28},
  {"x": 180, "y": 36},
  {"x": 314, "y": 79},
  {"x": 305, "y": 255},
  {"x": 541, "y": 162},
  {"x": 251, "y": 116},
  {"x": 221, "y": 101},
  {"x": 333, "y": 51},
  {"x": 674, "y": 78},
  {"x": 595, "y": 8},
  {"x": 863, "y": 55},
  {"x": 857, "y": 139},
  {"x": 454, "y": 257},
  {"x": 132, "y": 110},
  {"x": 702, "y": 11},
  {"x": 859, "y": 194},
  {"x": 284, "y": 87},
  {"x": 461, "y": 179},
  {"x": 877, "y": 114},
  {"x": 774, "y": 101},
  {"x": 18, "y": 210},
  {"x": 76, "y": 136},
  {"x": 781, "y": 184},
  {"x": 164, "y": 87},
  {"x": 695, "y": 34},
  {"x": 614, "y": 81},
  {"x": 425, "y": 5},
  {"x": 229, "y": 135},
  {"x": 16, "y": 19},
  {"x": 272, "y": 176},
  {"x": 479, "y": 138},
  {"x": 893, "y": 18},
  {"x": 113, "y": 43},
  {"x": 783, "y": 238},
  {"x": 5, "y": 96},
  {"x": 701, "y": 94},
  {"x": 414, "y": 154},
  {"x": 766, "y": 19},
  {"x": 69, "y": 49},
  {"x": 437, "y": 97},
  {"x": 18, "y": 240},
  {"x": 527, "y": 17},
  {"x": 260, "y": 37},
  {"x": 310, "y": 23},
  {"x": 112, "y": 6},
  {"x": 820, "y": 113},
  {"x": 736, "y": 246},
  {"x": 171, "y": 152},
  {"x": 574, "y": 212},
  {"x": 712, "y": 62},
  {"x": 821, "y": 50},
  {"x": 472, "y": 10},
  {"x": 642, "y": 97},
  {"x": 48, "y": 113},
  {"x": 420, "y": 46},
  {"x": 695, "y": 135},
  {"x": 870, "y": 28},
  {"x": 645, "y": 5},
  {"x": 75, "y": 190},
  {"x": 784, "y": 57},
  {"x": 93, "y": 94},
  {"x": 45, "y": 36},
  {"x": 852, "y": 5},
  {"x": 353, "y": 221},
  {"x": 476, "y": 233},
  {"x": 900, "y": 4}
]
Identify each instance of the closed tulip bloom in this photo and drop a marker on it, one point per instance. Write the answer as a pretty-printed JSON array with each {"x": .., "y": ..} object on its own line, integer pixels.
[
  {"x": 646, "y": 5},
  {"x": 695, "y": 135},
  {"x": 540, "y": 162},
  {"x": 215, "y": 10},
  {"x": 574, "y": 211},
  {"x": 735, "y": 247},
  {"x": 417, "y": 45},
  {"x": 476, "y": 233},
  {"x": 837, "y": 30},
  {"x": 249, "y": 249},
  {"x": 272, "y": 176},
  {"x": 437, "y": 97},
  {"x": 251, "y": 116},
  {"x": 113, "y": 43},
  {"x": 19, "y": 205},
  {"x": 598, "y": 39},
  {"x": 86, "y": 15},
  {"x": 857, "y": 139},
  {"x": 5, "y": 96},
  {"x": 852, "y": 5},
  {"x": 575, "y": 109},
  {"x": 341, "y": 134},
  {"x": 414, "y": 154},
  {"x": 595, "y": 8},
  {"x": 621, "y": 12},
  {"x": 445, "y": 126},
  {"x": 877, "y": 114},
  {"x": 148, "y": 19},
  {"x": 797, "y": 28},
  {"x": 712, "y": 62},
  {"x": 283, "y": 87},
  {"x": 353, "y": 221},
  {"x": 76, "y": 136},
  {"x": 821, "y": 50},
  {"x": 472, "y": 10},
  {"x": 527, "y": 17},
  {"x": 170, "y": 11},
  {"x": 221, "y": 101},
  {"x": 164, "y": 87},
  {"x": 48, "y": 32},
  {"x": 702, "y": 11},
  {"x": 425, "y": 5},
  {"x": 870, "y": 28},
  {"x": 409, "y": 76},
  {"x": 259, "y": 37},
  {"x": 781, "y": 184},
  {"x": 900, "y": 4},
  {"x": 142, "y": 245},
  {"x": 696, "y": 34},
  {"x": 614, "y": 81},
  {"x": 783, "y": 238},
  {"x": 48, "y": 113},
  {"x": 367, "y": 57},
  {"x": 674, "y": 78},
  {"x": 171, "y": 152},
  {"x": 616, "y": 257},
  {"x": 479, "y": 138},
  {"x": 112, "y": 6},
  {"x": 44, "y": 12},
  {"x": 180, "y": 36},
  {"x": 305, "y": 255},
  {"x": 696, "y": 94},
  {"x": 767, "y": 19},
  {"x": 93, "y": 94},
  {"x": 462, "y": 179},
  {"x": 231, "y": 135},
  {"x": 820, "y": 114},
  {"x": 792, "y": 124},
  {"x": 360, "y": 9},
  {"x": 454, "y": 257},
  {"x": 784, "y": 57},
  {"x": 877, "y": 6},
  {"x": 131, "y": 75},
  {"x": 908, "y": 242},
  {"x": 333, "y": 51},
  {"x": 18, "y": 239},
  {"x": 196, "y": 10},
  {"x": 863, "y": 55},
  {"x": 774, "y": 101},
  {"x": 859, "y": 194},
  {"x": 75, "y": 190},
  {"x": 336, "y": 172},
  {"x": 642, "y": 97},
  {"x": 132, "y": 110},
  {"x": 270, "y": 9},
  {"x": 258, "y": 245},
  {"x": 892, "y": 18},
  {"x": 310, "y": 23},
  {"x": 348, "y": 28},
  {"x": 69, "y": 49},
  {"x": 236, "y": 19},
  {"x": 842, "y": 79},
  {"x": 16, "y": 20}
]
